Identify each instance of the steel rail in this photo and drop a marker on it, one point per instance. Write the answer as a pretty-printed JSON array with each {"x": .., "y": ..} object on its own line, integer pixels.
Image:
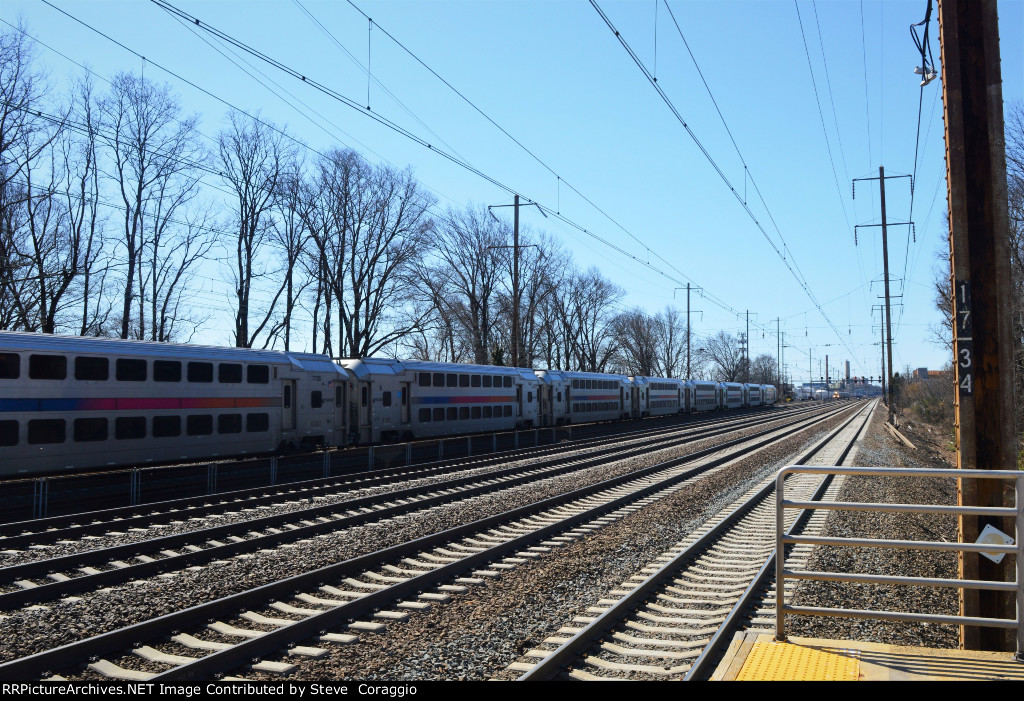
[
  {"x": 40, "y": 663},
  {"x": 73, "y": 526},
  {"x": 596, "y": 629},
  {"x": 512, "y": 477}
]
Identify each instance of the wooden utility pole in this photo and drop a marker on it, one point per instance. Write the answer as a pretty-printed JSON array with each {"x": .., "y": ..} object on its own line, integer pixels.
[
  {"x": 980, "y": 281},
  {"x": 687, "y": 331},
  {"x": 778, "y": 352}
]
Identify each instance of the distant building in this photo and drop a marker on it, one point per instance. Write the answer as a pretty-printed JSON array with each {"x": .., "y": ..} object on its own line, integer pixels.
[{"x": 920, "y": 374}]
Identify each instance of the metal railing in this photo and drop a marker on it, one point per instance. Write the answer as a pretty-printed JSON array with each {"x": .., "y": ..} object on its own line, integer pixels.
[{"x": 782, "y": 540}]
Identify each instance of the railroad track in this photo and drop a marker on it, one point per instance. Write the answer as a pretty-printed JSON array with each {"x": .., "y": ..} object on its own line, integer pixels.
[
  {"x": 673, "y": 619},
  {"x": 40, "y": 532},
  {"x": 329, "y": 605},
  {"x": 43, "y": 580}
]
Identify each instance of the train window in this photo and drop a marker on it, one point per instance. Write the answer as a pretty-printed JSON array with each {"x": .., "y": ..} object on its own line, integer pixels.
[
  {"x": 488, "y": 412},
  {"x": 424, "y": 379},
  {"x": 286, "y": 399},
  {"x": 451, "y": 413},
  {"x": 588, "y": 384},
  {"x": 10, "y": 366},
  {"x": 529, "y": 397},
  {"x": 386, "y": 400},
  {"x": 197, "y": 425},
  {"x": 463, "y": 380},
  {"x": 363, "y": 394},
  {"x": 89, "y": 368},
  {"x": 88, "y": 430},
  {"x": 424, "y": 415},
  {"x": 463, "y": 412},
  {"x": 128, "y": 427},
  {"x": 316, "y": 399},
  {"x": 257, "y": 423},
  {"x": 405, "y": 397},
  {"x": 166, "y": 371},
  {"x": 8, "y": 433},
  {"x": 508, "y": 381},
  {"x": 486, "y": 380},
  {"x": 559, "y": 397},
  {"x": 166, "y": 426},
  {"x": 575, "y": 407},
  {"x": 200, "y": 372},
  {"x": 575, "y": 384},
  {"x": 229, "y": 423},
  {"x": 474, "y": 380},
  {"x": 257, "y": 374},
  {"x": 229, "y": 373},
  {"x": 474, "y": 412},
  {"x": 439, "y": 414},
  {"x": 453, "y": 380},
  {"x": 47, "y": 367},
  {"x": 439, "y": 379},
  {"x": 337, "y": 396},
  {"x": 46, "y": 431},
  {"x": 131, "y": 370},
  {"x": 508, "y": 410}
]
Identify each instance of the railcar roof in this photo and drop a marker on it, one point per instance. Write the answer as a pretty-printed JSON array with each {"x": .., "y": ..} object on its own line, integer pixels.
[
  {"x": 364, "y": 367},
  {"x": 21, "y": 341}
]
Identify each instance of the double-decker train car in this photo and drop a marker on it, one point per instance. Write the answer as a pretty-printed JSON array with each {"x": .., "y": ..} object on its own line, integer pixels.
[
  {"x": 752, "y": 395},
  {"x": 70, "y": 402},
  {"x": 731, "y": 395},
  {"x": 594, "y": 396},
  {"x": 770, "y": 394},
  {"x": 704, "y": 395},
  {"x": 402, "y": 399},
  {"x": 660, "y": 396}
]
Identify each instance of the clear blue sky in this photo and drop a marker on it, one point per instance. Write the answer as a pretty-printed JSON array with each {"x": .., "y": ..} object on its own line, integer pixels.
[{"x": 554, "y": 76}]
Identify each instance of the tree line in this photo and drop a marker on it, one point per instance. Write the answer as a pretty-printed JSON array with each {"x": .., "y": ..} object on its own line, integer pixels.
[{"x": 114, "y": 208}]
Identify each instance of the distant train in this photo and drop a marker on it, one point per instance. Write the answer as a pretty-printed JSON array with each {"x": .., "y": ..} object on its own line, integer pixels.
[{"x": 71, "y": 402}]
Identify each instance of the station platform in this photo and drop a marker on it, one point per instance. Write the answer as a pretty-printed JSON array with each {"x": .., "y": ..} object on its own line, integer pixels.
[{"x": 755, "y": 656}]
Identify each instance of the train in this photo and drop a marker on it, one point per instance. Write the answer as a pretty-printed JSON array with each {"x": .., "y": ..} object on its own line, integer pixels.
[{"x": 72, "y": 403}]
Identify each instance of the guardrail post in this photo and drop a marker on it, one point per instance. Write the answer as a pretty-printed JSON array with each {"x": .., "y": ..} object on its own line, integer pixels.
[
  {"x": 408, "y": 454},
  {"x": 40, "y": 497},
  {"x": 211, "y": 479},
  {"x": 327, "y": 463},
  {"x": 1019, "y": 494},
  {"x": 780, "y": 560},
  {"x": 273, "y": 471},
  {"x": 135, "y": 487}
]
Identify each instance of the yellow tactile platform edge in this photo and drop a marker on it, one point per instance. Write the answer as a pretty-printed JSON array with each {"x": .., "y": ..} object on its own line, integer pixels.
[{"x": 775, "y": 661}]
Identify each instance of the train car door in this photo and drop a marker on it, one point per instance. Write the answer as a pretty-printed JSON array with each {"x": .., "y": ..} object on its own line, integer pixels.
[
  {"x": 405, "y": 402},
  {"x": 340, "y": 425},
  {"x": 288, "y": 405},
  {"x": 519, "y": 400},
  {"x": 635, "y": 402},
  {"x": 366, "y": 412},
  {"x": 544, "y": 395}
]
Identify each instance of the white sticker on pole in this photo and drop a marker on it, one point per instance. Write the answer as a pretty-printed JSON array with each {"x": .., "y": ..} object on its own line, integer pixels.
[{"x": 994, "y": 536}]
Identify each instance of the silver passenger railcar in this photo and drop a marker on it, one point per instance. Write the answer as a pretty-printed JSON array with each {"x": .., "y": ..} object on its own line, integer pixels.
[{"x": 69, "y": 402}]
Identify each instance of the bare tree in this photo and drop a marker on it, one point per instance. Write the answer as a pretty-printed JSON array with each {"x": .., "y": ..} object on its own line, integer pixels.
[
  {"x": 725, "y": 355},
  {"x": 585, "y": 303},
  {"x": 462, "y": 280},
  {"x": 638, "y": 336},
  {"x": 155, "y": 157},
  {"x": 290, "y": 236},
  {"x": 369, "y": 225},
  {"x": 764, "y": 370},
  {"x": 252, "y": 157},
  {"x": 671, "y": 357}
]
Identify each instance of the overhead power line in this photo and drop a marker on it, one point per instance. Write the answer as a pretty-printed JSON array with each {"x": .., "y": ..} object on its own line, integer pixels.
[{"x": 668, "y": 102}]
